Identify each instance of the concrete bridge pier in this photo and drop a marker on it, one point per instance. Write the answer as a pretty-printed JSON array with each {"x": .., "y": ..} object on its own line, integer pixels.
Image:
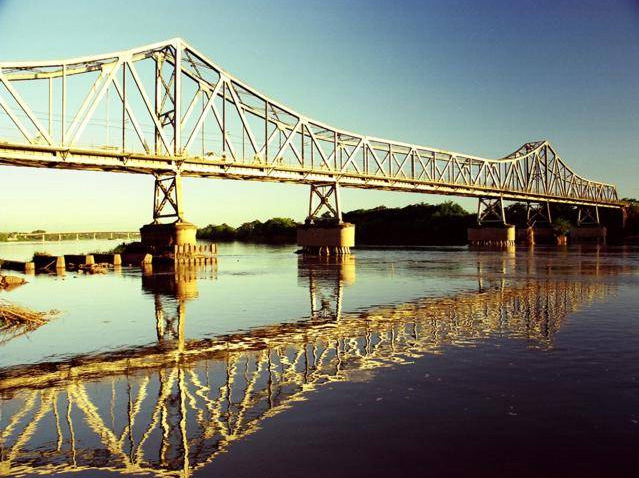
[
  {"x": 491, "y": 229},
  {"x": 160, "y": 238},
  {"x": 539, "y": 228},
  {"x": 536, "y": 234},
  {"x": 326, "y": 234}
]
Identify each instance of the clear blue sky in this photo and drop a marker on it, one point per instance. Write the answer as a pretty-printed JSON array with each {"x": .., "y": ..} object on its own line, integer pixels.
[{"x": 470, "y": 76}]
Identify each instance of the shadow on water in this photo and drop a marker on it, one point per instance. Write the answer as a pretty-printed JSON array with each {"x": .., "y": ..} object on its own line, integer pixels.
[{"x": 169, "y": 408}]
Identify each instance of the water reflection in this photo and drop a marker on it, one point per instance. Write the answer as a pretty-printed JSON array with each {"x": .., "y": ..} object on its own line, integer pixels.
[
  {"x": 325, "y": 278},
  {"x": 179, "y": 285},
  {"x": 169, "y": 408}
]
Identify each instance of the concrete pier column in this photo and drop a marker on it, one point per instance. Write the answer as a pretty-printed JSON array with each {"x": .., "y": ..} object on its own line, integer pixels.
[
  {"x": 326, "y": 239},
  {"x": 532, "y": 235},
  {"x": 492, "y": 236},
  {"x": 593, "y": 234},
  {"x": 162, "y": 238}
]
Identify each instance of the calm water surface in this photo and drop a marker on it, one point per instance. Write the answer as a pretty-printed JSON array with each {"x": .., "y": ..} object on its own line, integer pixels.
[{"x": 436, "y": 362}]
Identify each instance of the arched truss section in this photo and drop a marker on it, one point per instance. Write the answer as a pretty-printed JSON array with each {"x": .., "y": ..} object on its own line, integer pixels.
[{"x": 166, "y": 108}]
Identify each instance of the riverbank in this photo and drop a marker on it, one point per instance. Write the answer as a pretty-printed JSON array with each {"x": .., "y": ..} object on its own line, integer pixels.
[{"x": 444, "y": 224}]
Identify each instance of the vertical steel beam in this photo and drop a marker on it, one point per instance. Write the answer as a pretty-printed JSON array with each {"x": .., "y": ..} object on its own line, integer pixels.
[
  {"x": 51, "y": 107},
  {"x": 177, "y": 100},
  {"x": 157, "y": 99},
  {"x": 338, "y": 207},
  {"x": 266, "y": 132},
  {"x": 106, "y": 118},
  {"x": 123, "y": 106},
  {"x": 223, "y": 80},
  {"x": 178, "y": 197},
  {"x": 64, "y": 104}
]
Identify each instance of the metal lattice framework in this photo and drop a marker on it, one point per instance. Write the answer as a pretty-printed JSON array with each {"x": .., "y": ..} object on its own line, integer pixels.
[{"x": 166, "y": 108}]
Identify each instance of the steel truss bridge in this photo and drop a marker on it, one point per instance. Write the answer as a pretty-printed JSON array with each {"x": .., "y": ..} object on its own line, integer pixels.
[
  {"x": 169, "y": 409},
  {"x": 70, "y": 235},
  {"x": 165, "y": 109}
]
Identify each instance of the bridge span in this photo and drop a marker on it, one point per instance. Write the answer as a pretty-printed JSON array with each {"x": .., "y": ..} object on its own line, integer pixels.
[
  {"x": 166, "y": 110},
  {"x": 45, "y": 236}
]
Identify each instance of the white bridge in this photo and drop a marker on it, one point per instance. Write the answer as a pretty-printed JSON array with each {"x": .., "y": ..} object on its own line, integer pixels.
[{"x": 166, "y": 109}]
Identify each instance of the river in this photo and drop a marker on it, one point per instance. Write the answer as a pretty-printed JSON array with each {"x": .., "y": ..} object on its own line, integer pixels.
[{"x": 430, "y": 362}]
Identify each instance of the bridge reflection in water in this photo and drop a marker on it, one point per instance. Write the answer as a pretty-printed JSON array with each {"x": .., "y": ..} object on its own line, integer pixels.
[{"x": 169, "y": 408}]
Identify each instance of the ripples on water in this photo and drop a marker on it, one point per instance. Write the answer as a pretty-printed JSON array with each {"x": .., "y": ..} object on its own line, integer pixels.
[{"x": 158, "y": 372}]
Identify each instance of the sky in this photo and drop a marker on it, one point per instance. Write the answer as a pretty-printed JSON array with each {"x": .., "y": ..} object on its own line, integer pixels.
[{"x": 478, "y": 77}]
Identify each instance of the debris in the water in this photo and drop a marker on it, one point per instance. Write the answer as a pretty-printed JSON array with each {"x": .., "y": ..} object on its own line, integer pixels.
[
  {"x": 11, "y": 282},
  {"x": 101, "y": 268},
  {"x": 12, "y": 314},
  {"x": 16, "y": 320}
]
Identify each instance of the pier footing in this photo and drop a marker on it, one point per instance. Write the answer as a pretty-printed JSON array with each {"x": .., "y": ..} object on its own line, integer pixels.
[
  {"x": 589, "y": 234},
  {"x": 326, "y": 239},
  {"x": 161, "y": 238},
  {"x": 492, "y": 236},
  {"x": 536, "y": 235}
]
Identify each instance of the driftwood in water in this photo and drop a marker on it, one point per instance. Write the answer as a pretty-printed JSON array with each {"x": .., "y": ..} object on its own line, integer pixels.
[
  {"x": 16, "y": 320},
  {"x": 11, "y": 314}
]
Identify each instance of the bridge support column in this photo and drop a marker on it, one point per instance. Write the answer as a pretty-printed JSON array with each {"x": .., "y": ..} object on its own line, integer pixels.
[
  {"x": 589, "y": 229},
  {"x": 492, "y": 229},
  {"x": 326, "y": 234},
  {"x": 160, "y": 238},
  {"x": 538, "y": 225}
]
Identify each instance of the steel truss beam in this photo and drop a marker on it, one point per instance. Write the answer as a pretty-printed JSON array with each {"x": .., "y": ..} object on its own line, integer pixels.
[
  {"x": 538, "y": 214},
  {"x": 587, "y": 216},
  {"x": 167, "y": 202},
  {"x": 204, "y": 122},
  {"x": 324, "y": 197},
  {"x": 491, "y": 211}
]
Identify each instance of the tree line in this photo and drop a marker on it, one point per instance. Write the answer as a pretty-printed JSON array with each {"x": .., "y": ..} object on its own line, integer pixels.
[
  {"x": 418, "y": 224},
  {"x": 425, "y": 224}
]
